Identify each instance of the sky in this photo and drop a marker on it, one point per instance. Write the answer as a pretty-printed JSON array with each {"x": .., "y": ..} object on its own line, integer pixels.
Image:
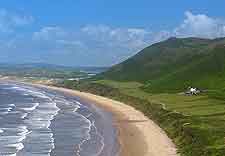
[{"x": 99, "y": 32}]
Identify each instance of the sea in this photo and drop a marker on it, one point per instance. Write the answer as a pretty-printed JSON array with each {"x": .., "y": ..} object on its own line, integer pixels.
[{"x": 36, "y": 121}]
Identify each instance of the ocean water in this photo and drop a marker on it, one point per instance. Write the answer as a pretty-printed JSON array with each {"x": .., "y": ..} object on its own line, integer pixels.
[{"x": 40, "y": 122}]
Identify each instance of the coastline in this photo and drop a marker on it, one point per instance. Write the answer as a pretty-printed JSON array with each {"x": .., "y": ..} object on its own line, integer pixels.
[
  {"x": 78, "y": 127},
  {"x": 137, "y": 134}
]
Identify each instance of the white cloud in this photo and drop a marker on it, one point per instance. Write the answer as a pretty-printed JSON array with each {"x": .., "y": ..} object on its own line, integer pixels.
[
  {"x": 137, "y": 32},
  {"x": 70, "y": 43},
  {"x": 100, "y": 44},
  {"x": 114, "y": 44},
  {"x": 49, "y": 33},
  {"x": 200, "y": 25},
  {"x": 110, "y": 44},
  {"x": 160, "y": 36},
  {"x": 9, "y": 21},
  {"x": 93, "y": 29},
  {"x": 131, "y": 38}
]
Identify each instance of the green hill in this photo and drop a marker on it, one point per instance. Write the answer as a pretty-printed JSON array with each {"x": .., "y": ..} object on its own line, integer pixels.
[
  {"x": 175, "y": 64},
  {"x": 150, "y": 82}
]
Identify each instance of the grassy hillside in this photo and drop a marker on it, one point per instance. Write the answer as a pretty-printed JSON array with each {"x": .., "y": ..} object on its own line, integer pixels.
[
  {"x": 175, "y": 64},
  {"x": 152, "y": 82}
]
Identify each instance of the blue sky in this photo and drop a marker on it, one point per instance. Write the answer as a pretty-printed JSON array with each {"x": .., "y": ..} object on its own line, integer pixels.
[{"x": 99, "y": 32}]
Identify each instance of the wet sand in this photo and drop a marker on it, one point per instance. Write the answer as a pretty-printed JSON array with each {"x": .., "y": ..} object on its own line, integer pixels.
[{"x": 138, "y": 135}]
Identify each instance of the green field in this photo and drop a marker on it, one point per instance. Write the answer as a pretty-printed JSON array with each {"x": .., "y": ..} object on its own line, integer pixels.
[
  {"x": 195, "y": 123},
  {"x": 201, "y": 106}
]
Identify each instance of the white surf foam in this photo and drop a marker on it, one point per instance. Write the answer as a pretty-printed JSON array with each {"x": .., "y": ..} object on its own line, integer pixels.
[
  {"x": 24, "y": 116},
  {"x": 29, "y": 91},
  {"x": 40, "y": 119},
  {"x": 6, "y": 110},
  {"x": 77, "y": 102},
  {"x": 34, "y": 106},
  {"x": 88, "y": 137},
  {"x": 18, "y": 146},
  {"x": 76, "y": 108},
  {"x": 12, "y": 105},
  {"x": 11, "y": 142},
  {"x": 37, "y": 119}
]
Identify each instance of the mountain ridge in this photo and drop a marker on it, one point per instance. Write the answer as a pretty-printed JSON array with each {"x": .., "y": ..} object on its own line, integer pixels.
[{"x": 174, "y": 64}]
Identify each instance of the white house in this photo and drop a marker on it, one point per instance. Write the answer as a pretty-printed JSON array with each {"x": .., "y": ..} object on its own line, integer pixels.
[{"x": 192, "y": 91}]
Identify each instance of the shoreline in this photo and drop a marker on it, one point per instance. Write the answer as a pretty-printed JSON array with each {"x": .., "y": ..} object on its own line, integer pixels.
[
  {"x": 77, "y": 128},
  {"x": 137, "y": 134}
]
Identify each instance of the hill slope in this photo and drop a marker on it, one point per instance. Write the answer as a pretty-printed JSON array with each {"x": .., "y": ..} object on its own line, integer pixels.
[
  {"x": 174, "y": 64},
  {"x": 195, "y": 123}
]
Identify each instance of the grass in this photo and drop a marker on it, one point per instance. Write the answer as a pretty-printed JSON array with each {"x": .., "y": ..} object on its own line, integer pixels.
[
  {"x": 195, "y": 123},
  {"x": 191, "y": 105}
]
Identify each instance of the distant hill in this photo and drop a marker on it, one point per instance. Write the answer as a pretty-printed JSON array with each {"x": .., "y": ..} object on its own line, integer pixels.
[
  {"x": 32, "y": 65},
  {"x": 47, "y": 70},
  {"x": 175, "y": 64}
]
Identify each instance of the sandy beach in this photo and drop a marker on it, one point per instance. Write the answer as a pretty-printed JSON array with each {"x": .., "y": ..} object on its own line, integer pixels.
[{"x": 138, "y": 135}]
